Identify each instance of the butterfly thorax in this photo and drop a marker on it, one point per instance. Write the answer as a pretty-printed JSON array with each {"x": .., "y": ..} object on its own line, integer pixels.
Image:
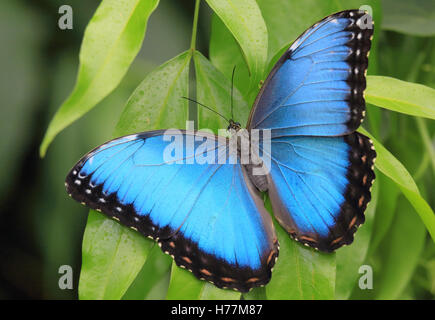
[
  {"x": 233, "y": 125},
  {"x": 248, "y": 154}
]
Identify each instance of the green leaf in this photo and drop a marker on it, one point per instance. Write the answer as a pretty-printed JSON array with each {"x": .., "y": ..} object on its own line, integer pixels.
[
  {"x": 112, "y": 40},
  {"x": 300, "y": 272},
  {"x": 112, "y": 256},
  {"x": 258, "y": 293},
  {"x": 392, "y": 168},
  {"x": 385, "y": 209},
  {"x": 401, "y": 255},
  {"x": 401, "y": 96},
  {"x": 184, "y": 286},
  {"x": 243, "y": 18},
  {"x": 410, "y": 17},
  {"x": 225, "y": 55},
  {"x": 153, "y": 280},
  {"x": 214, "y": 89},
  {"x": 350, "y": 258},
  {"x": 155, "y": 104}
]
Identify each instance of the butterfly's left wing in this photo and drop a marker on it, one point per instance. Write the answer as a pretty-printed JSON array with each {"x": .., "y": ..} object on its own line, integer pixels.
[{"x": 185, "y": 193}]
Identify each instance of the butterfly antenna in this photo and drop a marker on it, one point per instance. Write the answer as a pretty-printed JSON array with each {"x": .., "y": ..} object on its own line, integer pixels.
[
  {"x": 232, "y": 89},
  {"x": 203, "y": 105}
]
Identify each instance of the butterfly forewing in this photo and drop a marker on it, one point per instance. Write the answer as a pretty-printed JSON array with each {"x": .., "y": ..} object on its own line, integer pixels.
[{"x": 317, "y": 87}]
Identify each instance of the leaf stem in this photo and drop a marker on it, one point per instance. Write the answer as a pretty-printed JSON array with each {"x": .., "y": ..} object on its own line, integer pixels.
[{"x": 195, "y": 26}]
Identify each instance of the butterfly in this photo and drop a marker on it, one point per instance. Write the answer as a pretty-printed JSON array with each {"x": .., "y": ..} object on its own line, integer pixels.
[{"x": 210, "y": 216}]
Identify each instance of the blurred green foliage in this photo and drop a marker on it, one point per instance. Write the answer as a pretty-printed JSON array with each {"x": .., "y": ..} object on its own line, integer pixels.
[{"x": 42, "y": 229}]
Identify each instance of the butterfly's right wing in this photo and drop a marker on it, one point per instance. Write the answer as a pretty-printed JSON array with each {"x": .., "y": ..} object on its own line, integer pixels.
[
  {"x": 312, "y": 102},
  {"x": 207, "y": 216}
]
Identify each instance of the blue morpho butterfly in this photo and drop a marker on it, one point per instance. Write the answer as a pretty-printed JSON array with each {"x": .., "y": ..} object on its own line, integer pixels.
[{"x": 210, "y": 217}]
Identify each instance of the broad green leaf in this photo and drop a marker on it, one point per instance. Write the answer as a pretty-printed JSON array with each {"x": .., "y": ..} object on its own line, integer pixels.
[
  {"x": 258, "y": 293},
  {"x": 112, "y": 256},
  {"x": 184, "y": 286},
  {"x": 243, "y": 18},
  {"x": 214, "y": 89},
  {"x": 300, "y": 272},
  {"x": 392, "y": 168},
  {"x": 410, "y": 17},
  {"x": 155, "y": 104},
  {"x": 111, "y": 42},
  {"x": 155, "y": 271},
  {"x": 350, "y": 258},
  {"x": 401, "y": 96},
  {"x": 405, "y": 244}
]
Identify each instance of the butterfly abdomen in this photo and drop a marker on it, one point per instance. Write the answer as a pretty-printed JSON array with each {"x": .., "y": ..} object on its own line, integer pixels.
[{"x": 259, "y": 180}]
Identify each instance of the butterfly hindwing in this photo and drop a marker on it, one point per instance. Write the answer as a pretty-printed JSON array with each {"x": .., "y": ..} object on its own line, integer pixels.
[
  {"x": 208, "y": 217},
  {"x": 316, "y": 88},
  {"x": 320, "y": 187}
]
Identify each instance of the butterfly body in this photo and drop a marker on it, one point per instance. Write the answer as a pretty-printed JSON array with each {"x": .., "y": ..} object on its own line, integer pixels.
[{"x": 204, "y": 205}]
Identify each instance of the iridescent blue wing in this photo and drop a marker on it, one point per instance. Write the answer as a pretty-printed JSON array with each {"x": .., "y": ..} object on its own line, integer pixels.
[
  {"x": 204, "y": 214},
  {"x": 316, "y": 88},
  {"x": 320, "y": 186}
]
